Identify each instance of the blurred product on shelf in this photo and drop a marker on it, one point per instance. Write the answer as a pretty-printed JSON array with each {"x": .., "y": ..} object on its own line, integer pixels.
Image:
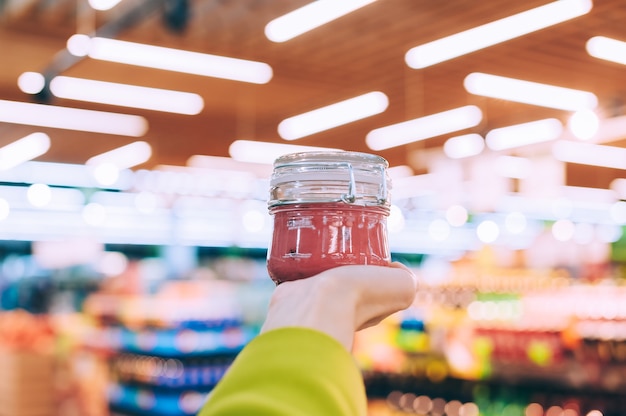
[
  {"x": 488, "y": 334},
  {"x": 22, "y": 331},
  {"x": 28, "y": 363},
  {"x": 45, "y": 369},
  {"x": 44, "y": 372},
  {"x": 470, "y": 398},
  {"x": 27, "y": 386},
  {"x": 184, "y": 372},
  {"x": 151, "y": 337},
  {"x": 167, "y": 349},
  {"x": 514, "y": 341}
]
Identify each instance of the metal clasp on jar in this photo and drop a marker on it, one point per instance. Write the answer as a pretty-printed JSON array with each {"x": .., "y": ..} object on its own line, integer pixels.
[{"x": 350, "y": 197}]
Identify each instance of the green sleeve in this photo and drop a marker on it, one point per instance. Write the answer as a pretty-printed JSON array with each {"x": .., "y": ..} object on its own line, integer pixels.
[{"x": 290, "y": 371}]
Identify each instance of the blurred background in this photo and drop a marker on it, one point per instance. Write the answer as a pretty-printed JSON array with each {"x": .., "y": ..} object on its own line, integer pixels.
[{"x": 136, "y": 142}]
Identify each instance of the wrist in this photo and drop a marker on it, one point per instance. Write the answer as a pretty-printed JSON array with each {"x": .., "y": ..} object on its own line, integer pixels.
[{"x": 320, "y": 304}]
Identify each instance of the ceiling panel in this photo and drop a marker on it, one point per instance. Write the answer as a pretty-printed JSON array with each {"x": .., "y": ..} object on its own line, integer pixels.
[{"x": 361, "y": 52}]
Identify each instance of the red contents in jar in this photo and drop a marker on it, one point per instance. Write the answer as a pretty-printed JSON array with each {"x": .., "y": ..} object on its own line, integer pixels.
[{"x": 311, "y": 238}]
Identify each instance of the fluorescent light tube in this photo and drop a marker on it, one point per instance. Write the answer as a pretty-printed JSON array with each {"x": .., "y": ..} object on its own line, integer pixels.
[
  {"x": 260, "y": 170},
  {"x": 169, "y": 59},
  {"x": 53, "y": 198},
  {"x": 264, "y": 152},
  {"x": 126, "y": 95},
  {"x": 31, "y": 82},
  {"x": 309, "y": 17},
  {"x": 513, "y": 166},
  {"x": 618, "y": 185},
  {"x": 413, "y": 186},
  {"x": 424, "y": 127},
  {"x": 24, "y": 149},
  {"x": 124, "y": 157},
  {"x": 584, "y": 194},
  {"x": 467, "y": 145},
  {"x": 72, "y": 118},
  {"x": 590, "y": 154},
  {"x": 524, "y": 134},
  {"x": 608, "y": 130},
  {"x": 103, "y": 4},
  {"x": 5, "y": 209},
  {"x": 400, "y": 171},
  {"x": 608, "y": 49},
  {"x": 189, "y": 181},
  {"x": 528, "y": 92},
  {"x": 333, "y": 115},
  {"x": 583, "y": 124},
  {"x": 60, "y": 174},
  {"x": 495, "y": 32}
]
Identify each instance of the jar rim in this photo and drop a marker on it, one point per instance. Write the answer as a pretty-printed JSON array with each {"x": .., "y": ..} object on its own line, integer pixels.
[
  {"x": 330, "y": 157},
  {"x": 330, "y": 176}
]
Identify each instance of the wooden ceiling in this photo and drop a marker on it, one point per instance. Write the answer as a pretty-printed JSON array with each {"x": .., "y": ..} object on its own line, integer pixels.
[{"x": 361, "y": 52}]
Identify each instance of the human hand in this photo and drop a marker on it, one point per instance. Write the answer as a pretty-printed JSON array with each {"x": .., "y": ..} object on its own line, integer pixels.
[{"x": 342, "y": 300}]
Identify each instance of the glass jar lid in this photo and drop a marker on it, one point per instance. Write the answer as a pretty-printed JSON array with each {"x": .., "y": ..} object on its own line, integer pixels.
[{"x": 330, "y": 176}]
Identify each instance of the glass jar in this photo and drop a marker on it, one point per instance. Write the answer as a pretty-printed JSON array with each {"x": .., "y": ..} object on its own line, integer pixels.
[{"x": 329, "y": 209}]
